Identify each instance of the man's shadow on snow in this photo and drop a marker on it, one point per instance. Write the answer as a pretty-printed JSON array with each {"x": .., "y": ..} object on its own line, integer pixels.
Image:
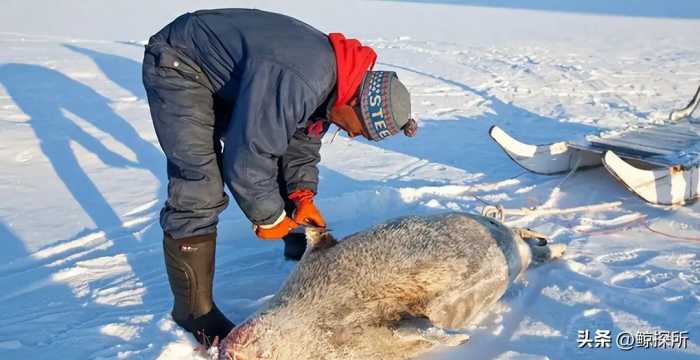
[
  {"x": 121, "y": 70},
  {"x": 464, "y": 142},
  {"x": 51, "y": 100},
  {"x": 46, "y": 96},
  {"x": 13, "y": 247},
  {"x": 31, "y": 320}
]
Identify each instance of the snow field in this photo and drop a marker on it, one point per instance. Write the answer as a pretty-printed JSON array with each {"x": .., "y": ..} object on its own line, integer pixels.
[{"x": 82, "y": 177}]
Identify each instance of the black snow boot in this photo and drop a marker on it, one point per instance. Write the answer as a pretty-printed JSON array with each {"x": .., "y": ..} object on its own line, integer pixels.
[
  {"x": 294, "y": 246},
  {"x": 190, "y": 265}
]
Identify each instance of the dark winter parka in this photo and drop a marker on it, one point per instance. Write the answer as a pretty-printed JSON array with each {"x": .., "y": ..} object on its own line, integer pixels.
[{"x": 278, "y": 73}]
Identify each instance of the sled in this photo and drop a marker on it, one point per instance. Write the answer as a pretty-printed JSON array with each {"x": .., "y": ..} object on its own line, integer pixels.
[{"x": 659, "y": 163}]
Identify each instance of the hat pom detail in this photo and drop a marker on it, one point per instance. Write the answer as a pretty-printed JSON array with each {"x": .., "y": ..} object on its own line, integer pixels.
[{"x": 411, "y": 128}]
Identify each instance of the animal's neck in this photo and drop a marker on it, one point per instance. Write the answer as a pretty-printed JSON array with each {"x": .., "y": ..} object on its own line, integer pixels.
[{"x": 522, "y": 261}]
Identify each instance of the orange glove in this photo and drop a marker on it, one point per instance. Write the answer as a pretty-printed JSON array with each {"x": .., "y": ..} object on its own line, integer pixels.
[
  {"x": 306, "y": 212},
  {"x": 276, "y": 231}
]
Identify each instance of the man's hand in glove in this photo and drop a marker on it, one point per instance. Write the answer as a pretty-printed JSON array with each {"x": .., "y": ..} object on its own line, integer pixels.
[
  {"x": 306, "y": 212},
  {"x": 277, "y": 230}
]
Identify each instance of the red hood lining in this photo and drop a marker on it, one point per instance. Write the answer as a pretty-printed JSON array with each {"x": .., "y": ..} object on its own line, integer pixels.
[{"x": 353, "y": 60}]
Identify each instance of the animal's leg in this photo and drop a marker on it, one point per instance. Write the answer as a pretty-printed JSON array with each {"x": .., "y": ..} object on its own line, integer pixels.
[
  {"x": 459, "y": 306},
  {"x": 421, "y": 330}
]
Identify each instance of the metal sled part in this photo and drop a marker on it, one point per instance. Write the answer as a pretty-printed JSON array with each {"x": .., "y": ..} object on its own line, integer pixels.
[
  {"x": 659, "y": 163},
  {"x": 547, "y": 159},
  {"x": 686, "y": 112},
  {"x": 673, "y": 185}
]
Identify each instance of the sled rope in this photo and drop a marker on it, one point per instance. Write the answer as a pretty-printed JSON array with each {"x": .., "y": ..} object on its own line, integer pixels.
[
  {"x": 574, "y": 168},
  {"x": 500, "y": 213},
  {"x": 615, "y": 229},
  {"x": 643, "y": 222},
  {"x": 672, "y": 236}
]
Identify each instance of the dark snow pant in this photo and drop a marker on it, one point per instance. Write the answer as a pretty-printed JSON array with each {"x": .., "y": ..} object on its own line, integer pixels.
[{"x": 189, "y": 120}]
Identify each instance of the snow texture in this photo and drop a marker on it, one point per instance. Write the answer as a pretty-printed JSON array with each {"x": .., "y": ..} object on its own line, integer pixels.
[{"x": 82, "y": 177}]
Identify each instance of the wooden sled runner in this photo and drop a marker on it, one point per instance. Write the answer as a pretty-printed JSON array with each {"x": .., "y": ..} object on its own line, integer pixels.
[{"x": 659, "y": 163}]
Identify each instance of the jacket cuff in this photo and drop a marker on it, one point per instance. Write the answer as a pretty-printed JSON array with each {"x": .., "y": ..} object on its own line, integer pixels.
[
  {"x": 302, "y": 185},
  {"x": 277, "y": 222}
]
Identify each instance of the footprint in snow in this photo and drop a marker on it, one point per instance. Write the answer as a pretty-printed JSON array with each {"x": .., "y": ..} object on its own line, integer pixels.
[
  {"x": 590, "y": 321},
  {"x": 691, "y": 272},
  {"x": 690, "y": 278},
  {"x": 641, "y": 279},
  {"x": 627, "y": 258}
]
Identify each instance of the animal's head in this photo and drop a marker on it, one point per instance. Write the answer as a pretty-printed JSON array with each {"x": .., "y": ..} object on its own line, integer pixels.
[
  {"x": 540, "y": 250},
  {"x": 528, "y": 248},
  {"x": 242, "y": 343}
]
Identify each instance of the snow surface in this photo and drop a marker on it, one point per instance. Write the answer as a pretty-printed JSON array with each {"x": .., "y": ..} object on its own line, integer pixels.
[{"x": 82, "y": 176}]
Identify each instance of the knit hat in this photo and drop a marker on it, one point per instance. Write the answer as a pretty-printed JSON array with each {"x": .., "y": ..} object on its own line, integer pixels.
[{"x": 385, "y": 104}]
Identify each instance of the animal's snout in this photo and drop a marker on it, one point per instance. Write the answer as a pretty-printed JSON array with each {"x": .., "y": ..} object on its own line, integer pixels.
[
  {"x": 556, "y": 251},
  {"x": 545, "y": 252},
  {"x": 540, "y": 248},
  {"x": 237, "y": 344}
]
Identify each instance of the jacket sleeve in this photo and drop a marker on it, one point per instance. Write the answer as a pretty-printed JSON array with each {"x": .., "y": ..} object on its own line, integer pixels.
[
  {"x": 272, "y": 101},
  {"x": 300, "y": 161}
]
